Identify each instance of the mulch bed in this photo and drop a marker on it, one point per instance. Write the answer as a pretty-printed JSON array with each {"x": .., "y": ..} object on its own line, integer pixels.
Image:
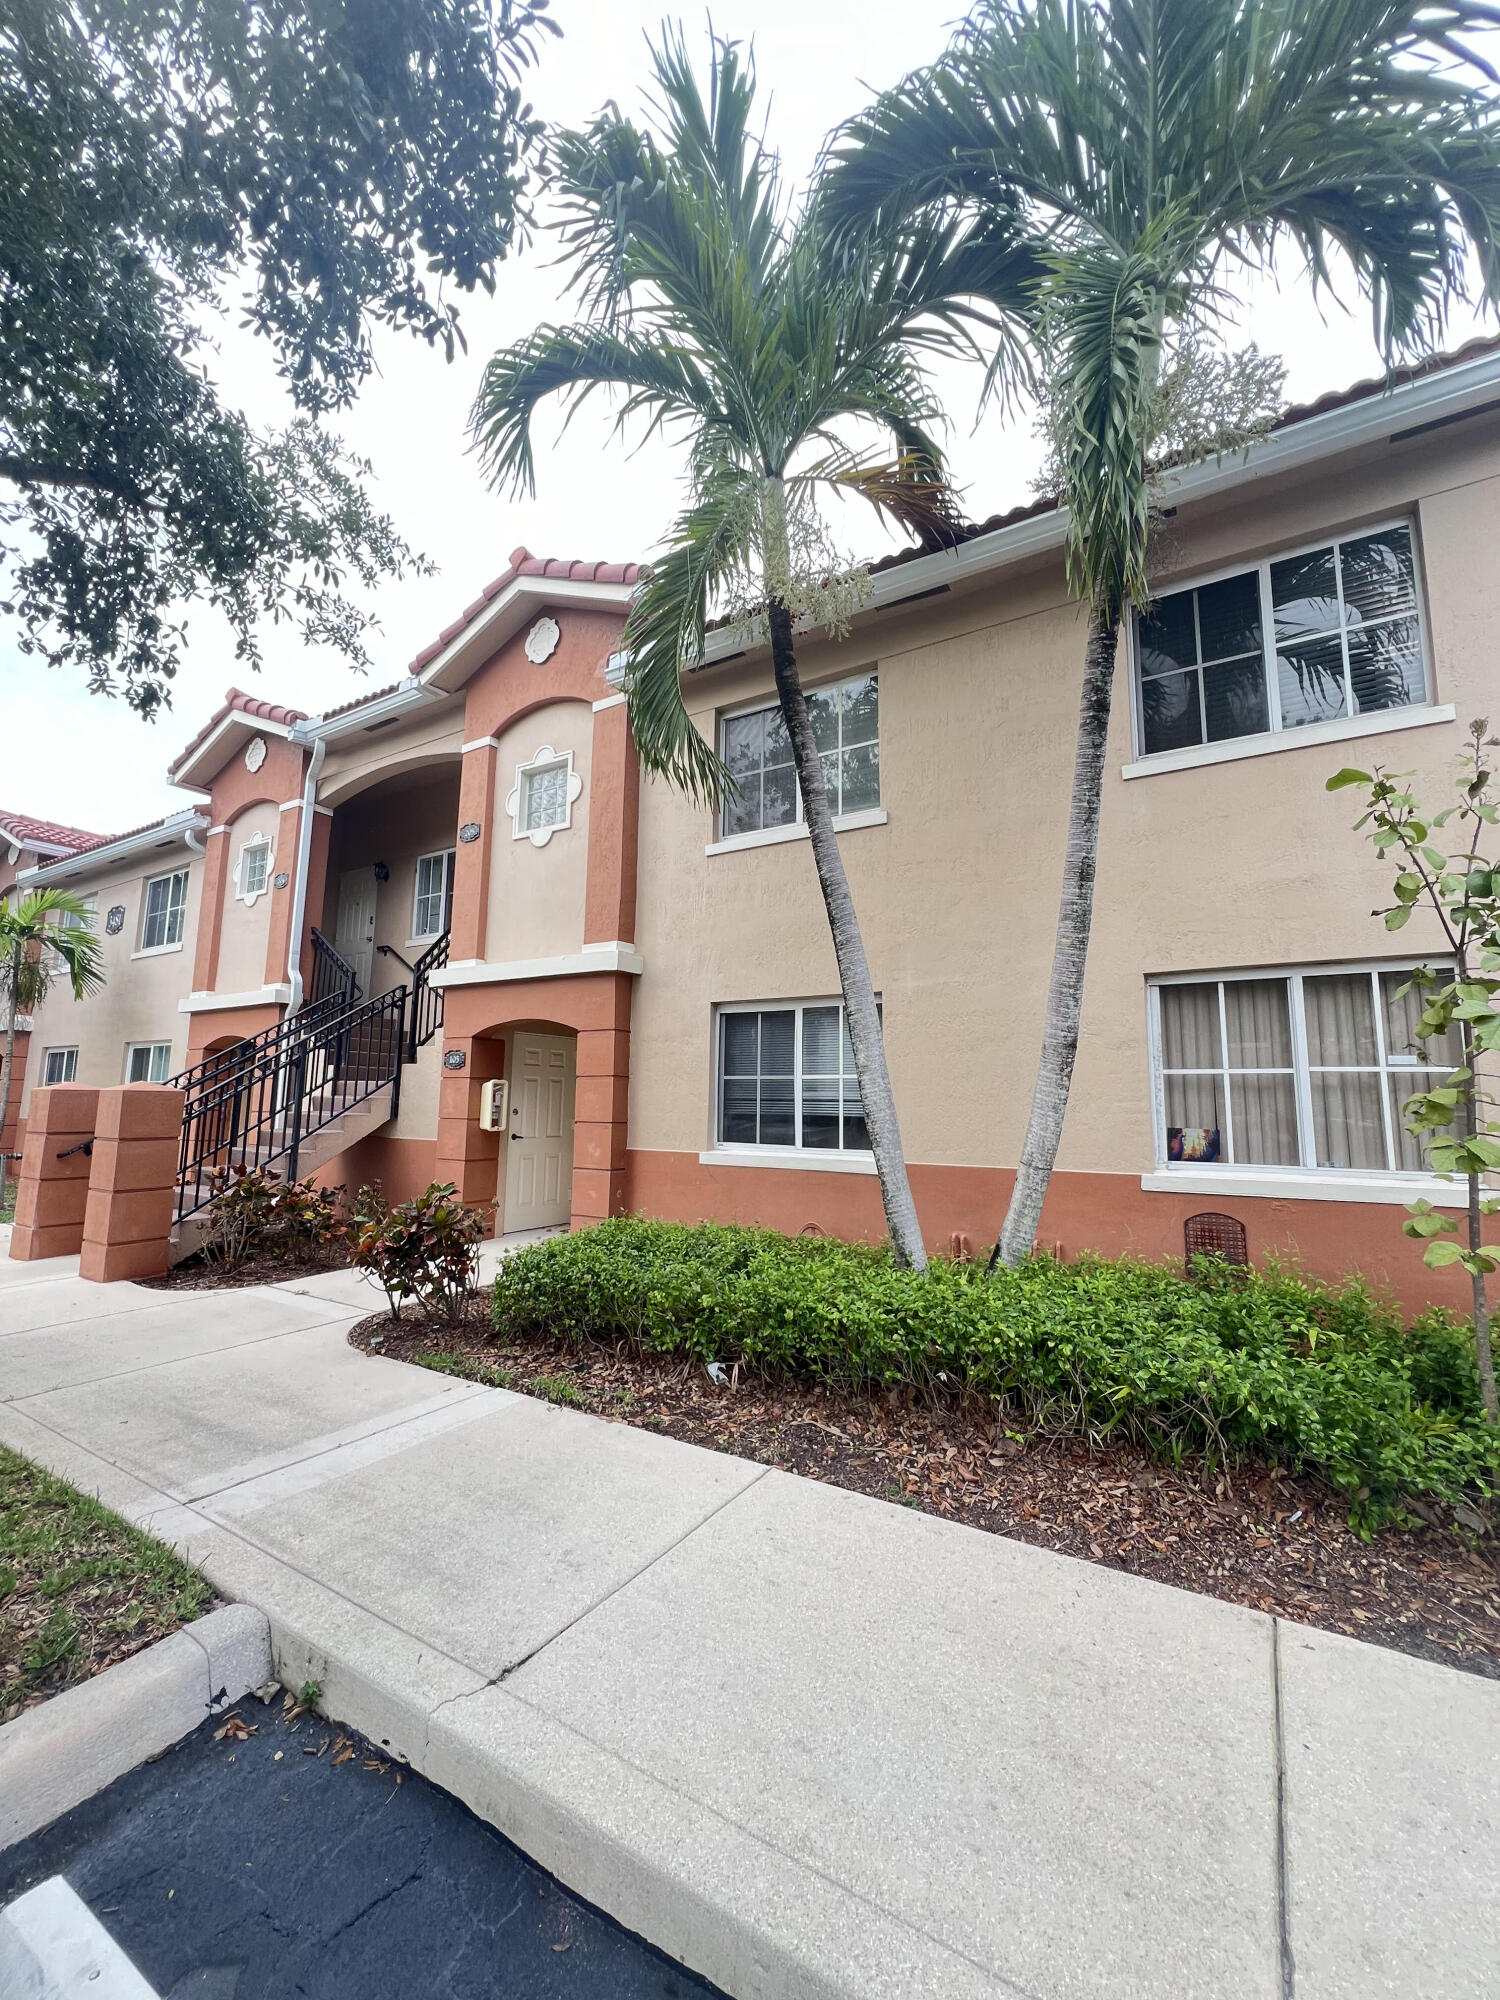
[
  {"x": 1254, "y": 1536},
  {"x": 79, "y": 1588},
  {"x": 196, "y": 1274}
]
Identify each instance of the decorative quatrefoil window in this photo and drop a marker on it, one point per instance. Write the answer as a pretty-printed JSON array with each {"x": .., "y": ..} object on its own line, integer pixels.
[{"x": 543, "y": 795}]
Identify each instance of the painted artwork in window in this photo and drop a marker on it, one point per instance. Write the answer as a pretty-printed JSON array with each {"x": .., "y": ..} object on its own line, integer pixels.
[
  {"x": 1303, "y": 1069},
  {"x": 786, "y": 1078},
  {"x": 542, "y": 799},
  {"x": 148, "y": 1062},
  {"x": 60, "y": 1066},
  {"x": 845, "y": 722},
  {"x": 165, "y": 911},
  {"x": 432, "y": 909},
  {"x": 1328, "y": 633}
]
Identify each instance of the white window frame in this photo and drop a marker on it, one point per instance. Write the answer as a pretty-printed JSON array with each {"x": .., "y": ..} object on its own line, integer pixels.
[
  {"x": 448, "y": 856},
  {"x": 544, "y": 758},
  {"x": 796, "y": 827},
  {"x": 134, "y": 1048},
  {"x": 70, "y": 1066},
  {"x": 1276, "y": 735},
  {"x": 171, "y": 943},
  {"x": 746, "y": 1153},
  {"x": 257, "y": 843},
  {"x": 1308, "y": 1177}
]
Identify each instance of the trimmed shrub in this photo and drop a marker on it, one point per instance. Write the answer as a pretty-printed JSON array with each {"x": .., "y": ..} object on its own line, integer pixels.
[
  {"x": 424, "y": 1249},
  {"x": 1226, "y": 1363}
]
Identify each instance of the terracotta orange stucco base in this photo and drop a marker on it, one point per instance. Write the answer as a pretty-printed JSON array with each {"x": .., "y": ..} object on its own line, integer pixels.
[{"x": 1107, "y": 1213}]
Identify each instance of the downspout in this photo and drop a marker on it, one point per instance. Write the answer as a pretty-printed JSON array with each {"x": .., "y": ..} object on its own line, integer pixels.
[
  {"x": 198, "y": 846},
  {"x": 304, "y": 855}
]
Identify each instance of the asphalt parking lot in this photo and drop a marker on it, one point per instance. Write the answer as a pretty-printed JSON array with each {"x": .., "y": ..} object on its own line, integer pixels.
[{"x": 295, "y": 1861}]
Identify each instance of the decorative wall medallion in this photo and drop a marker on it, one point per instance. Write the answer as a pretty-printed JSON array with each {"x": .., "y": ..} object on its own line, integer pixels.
[
  {"x": 255, "y": 755},
  {"x": 114, "y": 921},
  {"x": 541, "y": 640},
  {"x": 541, "y": 800},
  {"x": 282, "y": 880},
  {"x": 469, "y": 831},
  {"x": 454, "y": 1059}
]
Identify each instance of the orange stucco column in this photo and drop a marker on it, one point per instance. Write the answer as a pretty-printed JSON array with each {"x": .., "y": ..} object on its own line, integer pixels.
[
  {"x": 465, "y": 1155},
  {"x": 53, "y": 1194},
  {"x": 211, "y": 910},
  {"x": 128, "y": 1220},
  {"x": 614, "y": 818},
  {"x": 471, "y": 864},
  {"x": 600, "y": 1127}
]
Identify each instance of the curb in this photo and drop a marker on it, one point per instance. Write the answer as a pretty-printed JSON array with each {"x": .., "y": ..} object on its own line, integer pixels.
[{"x": 55, "y": 1756}]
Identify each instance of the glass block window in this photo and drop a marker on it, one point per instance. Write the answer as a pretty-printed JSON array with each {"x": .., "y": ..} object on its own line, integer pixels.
[
  {"x": 544, "y": 799},
  {"x": 1300, "y": 1069},
  {"x": 165, "y": 910},
  {"x": 148, "y": 1062},
  {"x": 60, "y": 1066},
  {"x": 786, "y": 1078},
  {"x": 845, "y": 722},
  {"x": 255, "y": 869},
  {"x": 432, "y": 907},
  {"x": 1327, "y": 632}
]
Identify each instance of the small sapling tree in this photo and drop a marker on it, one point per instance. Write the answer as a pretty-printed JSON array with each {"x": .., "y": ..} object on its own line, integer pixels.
[{"x": 1460, "y": 1000}]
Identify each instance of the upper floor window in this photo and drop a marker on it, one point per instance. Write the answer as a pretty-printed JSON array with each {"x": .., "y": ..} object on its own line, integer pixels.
[
  {"x": 148, "y": 1062},
  {"x": 1331, "y": 631},
  {"x": 846, "y": 728},
  {"x": 60, "y": 1066},
  {"x": 254, "y": 869},
  {"x": 542, "y": 799},
  {"x": 786, "y": 1078},
  {"x": 1299, "y": 1069},
  {"x": 165, "y": 911},
  {"x": 432, "y": 910}
]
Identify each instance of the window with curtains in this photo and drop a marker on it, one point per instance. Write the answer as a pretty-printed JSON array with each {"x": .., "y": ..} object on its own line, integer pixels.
[
  {"x": 148, "y": 1062},
  {"x": 1312, "y": 636},
  {"x": 1295, "y": 1069},
  {"x": 60, "y": 1066},
  {"x": 786, "y": 1078},
  {"x": 846, "y": 728}
]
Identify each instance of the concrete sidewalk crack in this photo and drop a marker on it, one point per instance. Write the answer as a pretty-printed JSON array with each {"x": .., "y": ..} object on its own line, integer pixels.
[{"x": 1283, "y": 1915}]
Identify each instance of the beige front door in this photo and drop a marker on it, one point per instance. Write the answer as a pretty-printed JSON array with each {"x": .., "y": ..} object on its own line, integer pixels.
[
  {"x": 539, "y": 1152},
  {"x": 354, "y": 935}
]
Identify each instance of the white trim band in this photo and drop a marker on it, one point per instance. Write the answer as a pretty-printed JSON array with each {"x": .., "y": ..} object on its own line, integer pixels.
[
  {"x": 1342, "y": 729},
  {"x": 610, "y": 701},
  {"x": 213, "y": 1003},
  {"x": 772, "y": 836},
  {"x": 779, "y": 1156},
  {"x": 496, "y": 972},
  {"x": 1288, "y": 1184}
]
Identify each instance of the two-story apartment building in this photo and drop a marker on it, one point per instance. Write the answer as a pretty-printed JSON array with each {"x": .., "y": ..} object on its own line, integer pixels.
[{"x": 657, "y": 984}]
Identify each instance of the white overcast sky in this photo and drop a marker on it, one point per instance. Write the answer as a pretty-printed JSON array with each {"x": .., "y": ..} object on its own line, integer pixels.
[{"x": 89, "y": 761}]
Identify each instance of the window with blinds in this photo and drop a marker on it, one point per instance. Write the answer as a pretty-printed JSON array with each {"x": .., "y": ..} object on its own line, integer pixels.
[
  {"x": 1296, "y": 1069},
  {"x": 786, "y": 1078},
  {"x": 846, "y": 729}
]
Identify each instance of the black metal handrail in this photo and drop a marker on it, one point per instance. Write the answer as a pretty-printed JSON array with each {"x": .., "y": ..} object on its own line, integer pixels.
[
  {"x": 256, "y": 1104},
  {"x": 426, "y": 999},
  {"x": 333, "y": 975}
]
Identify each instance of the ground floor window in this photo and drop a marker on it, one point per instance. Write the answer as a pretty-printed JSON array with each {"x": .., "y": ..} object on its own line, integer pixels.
[
  {"x": 786, "y": 1078},
  {"x": 59, "y": 1066},
  {"x": 1292, "y": 1069},
  {"x": 148, "y": 1062}
]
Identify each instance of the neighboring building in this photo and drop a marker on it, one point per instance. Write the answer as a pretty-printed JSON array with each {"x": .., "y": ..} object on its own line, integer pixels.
[{"x": 659, "y": 988}]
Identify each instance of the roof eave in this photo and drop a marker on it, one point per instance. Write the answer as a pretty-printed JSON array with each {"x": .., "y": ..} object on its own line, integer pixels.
[
  {"x": 166, "y": 834},
  {"x": 500, "y": 620},
  {"x": 197, "y": 770},
  {"x": 1447, "y": 392}
]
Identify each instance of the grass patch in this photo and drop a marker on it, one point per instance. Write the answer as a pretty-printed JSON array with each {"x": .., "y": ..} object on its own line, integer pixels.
[
  {"x": 556, "y": 1389},
  {"x": 1261, "y": 1365},
  {"x": 79, "y": 1587},
  {"x": 453, "y": 1361}
]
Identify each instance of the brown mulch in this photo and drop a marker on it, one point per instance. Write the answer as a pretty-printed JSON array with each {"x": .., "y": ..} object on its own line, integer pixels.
[
  {"x": 196, "y": 1274},
  {"x": 1254, "y": 1536}
]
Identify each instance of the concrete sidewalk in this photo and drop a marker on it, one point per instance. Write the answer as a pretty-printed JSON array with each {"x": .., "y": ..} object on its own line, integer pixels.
[{"x": 810, "y": 1744}]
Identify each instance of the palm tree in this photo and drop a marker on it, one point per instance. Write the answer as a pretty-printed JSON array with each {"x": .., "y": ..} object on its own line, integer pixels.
[
  {"x": 1151, "y": 144},
  {"x": 716, "y": 312},
  {"x": 48, "y": 932}
]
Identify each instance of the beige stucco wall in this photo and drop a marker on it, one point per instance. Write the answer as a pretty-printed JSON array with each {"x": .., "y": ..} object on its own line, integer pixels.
[
  {"x": 138, "y": 1002},
  {"x": 245, "y": 927},
  {"x": 427, "y": 736},
  {"x": 536, "y": 903},
  {"x": 1240, "y": 864}
]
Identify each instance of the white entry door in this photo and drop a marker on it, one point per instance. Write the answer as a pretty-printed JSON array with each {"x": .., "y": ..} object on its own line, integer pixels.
[
  {"x": 355, "y": 935},
  {"x": 539, "y": 1152}
]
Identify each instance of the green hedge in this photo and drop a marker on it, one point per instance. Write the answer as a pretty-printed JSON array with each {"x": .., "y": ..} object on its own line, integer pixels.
[{"x": 1271, "y": 1366}]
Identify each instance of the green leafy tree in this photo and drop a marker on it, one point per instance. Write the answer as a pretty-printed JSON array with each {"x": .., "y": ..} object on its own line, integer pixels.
[
  {"x": 1150, "y": 145},
  {"x": 329, "y": 165},
  {"x": 44, "y": 935},
  {"x": 1461, "y": 1002},
  {"x": 716, "y": 311}
]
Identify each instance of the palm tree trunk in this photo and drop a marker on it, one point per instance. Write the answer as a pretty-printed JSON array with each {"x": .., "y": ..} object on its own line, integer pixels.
[
  {"x": 13, "y": 1004},
  {"x": 1054, "y": 1079},
  {"x": 875, "y": 1096}
]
